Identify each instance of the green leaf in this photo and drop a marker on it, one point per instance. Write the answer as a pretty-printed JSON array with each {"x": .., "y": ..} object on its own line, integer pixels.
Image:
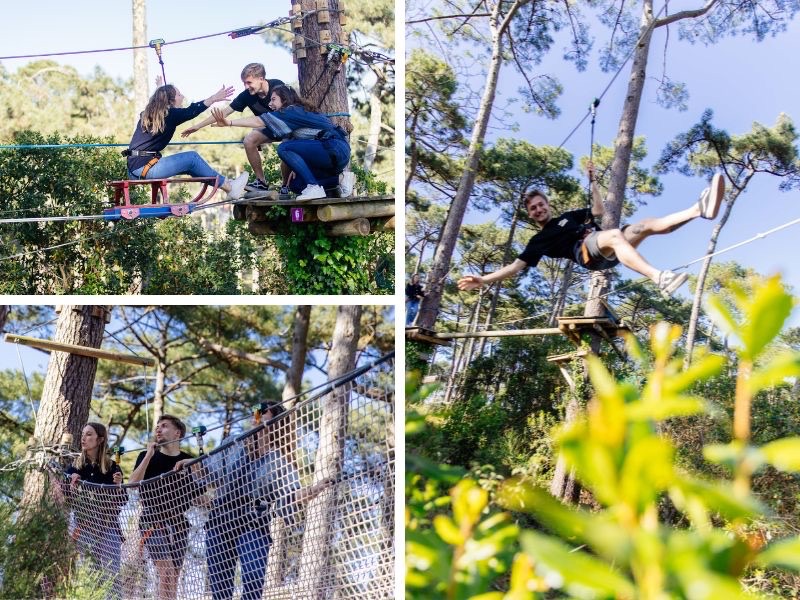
[
  {"x": 769, "y": 309},
  {"x": 784, "y": 554},
  {"x": 775, "y": 372},
  {"x": 716, "y": 497},
  {"x": 704, "y": 368},
  {"x": 469, "y": 500},
  {"x": 783, "y": 454},
  {"x": 447, "y": 530},
  {"x": 665, "y": 408},
  {"x": 722, "y": 317},
  {"x": 576, "y": 573}
]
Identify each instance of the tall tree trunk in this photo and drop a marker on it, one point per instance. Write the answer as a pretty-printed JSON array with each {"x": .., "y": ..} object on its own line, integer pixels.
[
  {"x": 294, "y": 376},
  {"x": 321, "y": 511},
  {"x": 691, "y": 331},
  {"x": 67, "y": 393},
  {"x": 561, "y": 297},
  {"x": 512, "y": 230},
  {"x": 140, "y": 83},
  {"x": 4, "y": 310},
  {"x": 320, "y": 82},
  {"x": 158, "y": 392},
  {"x": 429, "y": 308}
]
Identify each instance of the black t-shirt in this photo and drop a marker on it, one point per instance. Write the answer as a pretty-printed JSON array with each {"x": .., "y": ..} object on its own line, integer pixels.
[
  {"x": 171, "y": 495},
  {"x": 558, "y": 237},
  {"x": 254, "y": 102},
  {"x": 414, "y": 291},
  {"x": 93, "y": 474},
  {"x": 156, "y": 142}
]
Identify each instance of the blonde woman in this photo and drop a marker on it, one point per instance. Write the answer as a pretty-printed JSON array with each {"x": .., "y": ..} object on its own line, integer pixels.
[
  {"x": 155, "y": 129},
  {"x": 97, "y": 531}
]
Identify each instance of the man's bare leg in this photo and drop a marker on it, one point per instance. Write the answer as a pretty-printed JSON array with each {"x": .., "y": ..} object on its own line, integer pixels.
[
  {"x": 638, "y": 232},
  {"x": 710, "y": 200},
  {"x": 612, "y": 241},
  {"x": 251, "y": 142}
]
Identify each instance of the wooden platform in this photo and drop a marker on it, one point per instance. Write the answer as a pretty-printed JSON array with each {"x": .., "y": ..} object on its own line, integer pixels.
[
  {"x": 341, "y": 216},
  {"x": 428, "y": 336},
  {"x": 574, "y": 327}
]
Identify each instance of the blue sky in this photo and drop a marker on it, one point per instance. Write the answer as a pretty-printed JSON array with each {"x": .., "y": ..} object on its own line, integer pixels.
[
  {"x": 198, "y": 68},
  {"x": 741, "y": 80}
]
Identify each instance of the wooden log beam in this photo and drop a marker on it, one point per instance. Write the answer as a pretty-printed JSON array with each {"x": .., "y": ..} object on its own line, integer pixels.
[
  {"x": 500, "y": 333},
  {"x": 262, "y": 228},
  {"x": 358, "y": 226},
  {"x": 80, "y": 350},
  {"x": 342, "y": 212},
  {"x": 378, "y": 225}
]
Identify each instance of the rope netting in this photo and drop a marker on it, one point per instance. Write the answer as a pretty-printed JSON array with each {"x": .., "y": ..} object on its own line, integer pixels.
[{"x": 300, "y": 506}]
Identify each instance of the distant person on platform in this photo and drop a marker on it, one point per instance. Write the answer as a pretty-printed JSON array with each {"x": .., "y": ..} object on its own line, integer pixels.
[
  {"x": 414, "y": 295},
  {"x": 155, "y": 129},
  {"x": 314, "y": 148},
  {"x": 256, "y": 95},
  {"x": 576, "y": 235}
]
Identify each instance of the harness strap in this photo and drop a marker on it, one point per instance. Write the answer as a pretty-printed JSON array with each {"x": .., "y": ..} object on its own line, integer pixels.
[{"x": 153, "y": 161}]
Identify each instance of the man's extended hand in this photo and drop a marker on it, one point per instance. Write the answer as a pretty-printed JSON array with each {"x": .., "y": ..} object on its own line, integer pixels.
[{"x": 470, "y": 282}]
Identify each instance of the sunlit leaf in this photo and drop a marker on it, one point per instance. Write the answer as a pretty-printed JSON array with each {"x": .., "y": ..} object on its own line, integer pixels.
[
  {"x": 783, "y": 454},
  {"x": 577, "y": 573},
  {"x": 447, "y": 530},
  {"x": 784, "y": 554},
  {"x": 469, "y": 500},
  {"x": 766, "y": 312},
  {"x": 775, "y": 372},
  {"x": 665, "y": 408}
]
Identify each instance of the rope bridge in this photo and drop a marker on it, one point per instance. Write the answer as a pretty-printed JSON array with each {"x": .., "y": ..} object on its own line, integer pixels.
[{"x": 300, "y": 506}]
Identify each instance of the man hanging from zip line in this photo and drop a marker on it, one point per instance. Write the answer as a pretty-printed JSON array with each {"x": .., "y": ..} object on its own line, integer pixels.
[{"x": 577, "y": 236}]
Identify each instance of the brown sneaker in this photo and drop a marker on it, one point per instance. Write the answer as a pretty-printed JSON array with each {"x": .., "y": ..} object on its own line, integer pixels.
[{"x": 711, "y": 198}]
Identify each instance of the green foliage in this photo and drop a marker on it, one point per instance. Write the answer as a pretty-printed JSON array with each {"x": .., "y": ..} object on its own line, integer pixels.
[
  {"x": 623, "y": 548},
  {"x": 36, "y": 543},
  {"x": 313, "y": 262}
]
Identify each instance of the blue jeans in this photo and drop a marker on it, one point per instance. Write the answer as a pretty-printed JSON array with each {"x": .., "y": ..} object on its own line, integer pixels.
[
  {"x": 412, "y": 306},
  {"x": 182, "y": 163},
  {"x": 311, "y": 161},
  {"x": 224, "y": 545}
]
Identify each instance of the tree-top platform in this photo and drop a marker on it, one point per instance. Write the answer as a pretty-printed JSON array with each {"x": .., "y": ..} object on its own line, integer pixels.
[{"x": 361, "y": 215}]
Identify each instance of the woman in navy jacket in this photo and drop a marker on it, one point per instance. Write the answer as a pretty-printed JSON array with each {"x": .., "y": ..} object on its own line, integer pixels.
[
  {"x": 155, "y": 129},
  {"x": 313, "y": 147}
]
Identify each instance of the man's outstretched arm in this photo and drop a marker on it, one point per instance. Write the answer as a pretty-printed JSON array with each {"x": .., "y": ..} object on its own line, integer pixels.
[{"x": 473, "y": 282}]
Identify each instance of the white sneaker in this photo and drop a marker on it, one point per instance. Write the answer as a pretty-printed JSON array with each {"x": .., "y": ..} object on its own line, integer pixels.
[
  {"x": 347, "y": 181},
  {"x": 311, "y": 192},
  {"x": 237, "y": 187},
  {"x": 669, "y": 282},
  {"x": 711, "y": 198}
]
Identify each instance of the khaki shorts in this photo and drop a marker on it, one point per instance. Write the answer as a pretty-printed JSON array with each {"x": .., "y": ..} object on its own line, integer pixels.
[{"x": 597, "y": 261}]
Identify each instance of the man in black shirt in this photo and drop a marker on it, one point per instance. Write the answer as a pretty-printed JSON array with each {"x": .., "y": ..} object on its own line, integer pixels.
[
  {"x": 255, "y": 97},
  {"x": 163, "y": 523},
  {"x": 575, "y": 235},
  {"x": 414, "y": 295}
]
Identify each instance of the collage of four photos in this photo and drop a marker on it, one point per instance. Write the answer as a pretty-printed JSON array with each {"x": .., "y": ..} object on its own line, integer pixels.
[{"x": 561, "y": 231}]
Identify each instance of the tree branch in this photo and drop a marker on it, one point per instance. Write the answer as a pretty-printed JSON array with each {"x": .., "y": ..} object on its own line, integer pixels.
[{"x": 685, "y": 14}]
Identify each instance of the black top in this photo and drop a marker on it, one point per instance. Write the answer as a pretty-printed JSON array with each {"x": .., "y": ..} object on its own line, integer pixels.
[
  {"x": 414, "y": 291},
  {"x": 172, "y": 495},
  {"x": 254, "y": 102},
  {"x": 558, "y": 237},
  {"x": 143, "y": 140},
  {"x": 93, "y": 474}
]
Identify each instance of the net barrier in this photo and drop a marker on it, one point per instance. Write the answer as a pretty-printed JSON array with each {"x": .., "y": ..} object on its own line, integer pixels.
[{"x": 300, "y": 506}]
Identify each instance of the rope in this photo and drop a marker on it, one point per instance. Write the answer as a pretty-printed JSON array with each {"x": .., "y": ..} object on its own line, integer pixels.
[{"x": 611, "y": 82}]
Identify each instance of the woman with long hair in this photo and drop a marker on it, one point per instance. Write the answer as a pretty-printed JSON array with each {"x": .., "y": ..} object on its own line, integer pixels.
[
  {"x": 314, "y": 148},
  {"x": 155, "y": 129},
  {"x": 97, "y": 529}
]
